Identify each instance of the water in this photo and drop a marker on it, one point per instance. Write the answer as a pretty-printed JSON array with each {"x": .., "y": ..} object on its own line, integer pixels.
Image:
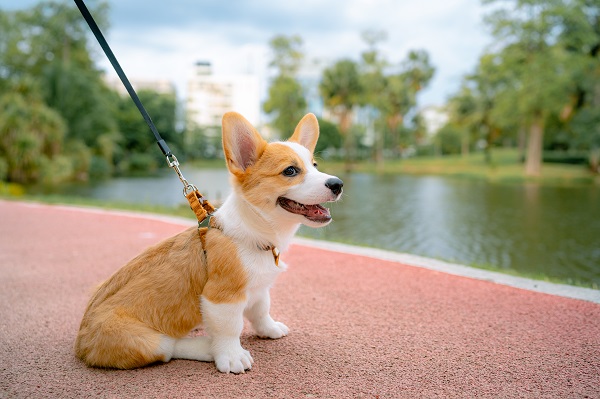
[
  {"x": 539, "y": 230},
  {"x": 542, "y": 230}
]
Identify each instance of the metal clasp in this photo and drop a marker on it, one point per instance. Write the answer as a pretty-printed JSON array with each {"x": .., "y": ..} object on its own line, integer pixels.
[{"x": 187, "y": 186}]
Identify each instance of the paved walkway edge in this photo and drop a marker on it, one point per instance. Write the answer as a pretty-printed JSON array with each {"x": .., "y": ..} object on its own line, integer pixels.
[{"x": 563, "y": 290}]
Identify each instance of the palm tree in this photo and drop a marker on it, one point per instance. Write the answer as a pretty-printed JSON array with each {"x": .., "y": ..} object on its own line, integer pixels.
[{"x": 342, "y": 89}]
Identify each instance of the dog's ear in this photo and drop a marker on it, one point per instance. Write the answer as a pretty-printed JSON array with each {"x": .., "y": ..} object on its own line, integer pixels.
[
  {"x": 307, "y": 132},
  {"x": 242, "y": 144}
]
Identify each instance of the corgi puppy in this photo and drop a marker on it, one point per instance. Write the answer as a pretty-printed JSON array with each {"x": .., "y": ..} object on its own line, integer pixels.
[{"x": 144, "y": 312}]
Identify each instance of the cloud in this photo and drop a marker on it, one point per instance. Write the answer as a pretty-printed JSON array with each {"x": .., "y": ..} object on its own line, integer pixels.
[{"x": 158, "y": 39}]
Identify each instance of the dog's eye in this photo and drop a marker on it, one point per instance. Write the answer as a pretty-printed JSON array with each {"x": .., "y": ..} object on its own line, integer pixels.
[{"x": 290, "y": 171}]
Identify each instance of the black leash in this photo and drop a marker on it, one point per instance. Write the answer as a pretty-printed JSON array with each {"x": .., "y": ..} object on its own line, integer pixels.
[
  {"x": 113, "y": 60},
  {"x": 201, "y": 207}
]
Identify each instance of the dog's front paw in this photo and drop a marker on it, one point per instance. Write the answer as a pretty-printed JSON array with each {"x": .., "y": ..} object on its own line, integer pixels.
[
  {"x": 233, "y": 360},
  {"x": 272, "y": 330}
]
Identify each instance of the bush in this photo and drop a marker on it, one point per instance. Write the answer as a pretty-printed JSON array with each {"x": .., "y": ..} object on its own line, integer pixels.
[
  {"x": 99, "y": 168},
  {"x": 142, "y": 163},
  {"x": 56, "y": 170},
  {"x": 3, "y": 169},
  {"x": 81, "y": 158},
  {"x": 448, "y": 139}
]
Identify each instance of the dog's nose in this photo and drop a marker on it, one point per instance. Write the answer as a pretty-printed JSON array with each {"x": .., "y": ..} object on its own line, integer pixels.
[{"x": 335, "y": 185}]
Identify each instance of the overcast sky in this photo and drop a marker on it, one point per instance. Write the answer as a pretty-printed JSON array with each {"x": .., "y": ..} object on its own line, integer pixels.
[{"x": 163, "y": 39}]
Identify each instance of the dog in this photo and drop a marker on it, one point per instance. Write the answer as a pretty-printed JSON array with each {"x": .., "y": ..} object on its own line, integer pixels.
[{"x": 144, "y": 313}]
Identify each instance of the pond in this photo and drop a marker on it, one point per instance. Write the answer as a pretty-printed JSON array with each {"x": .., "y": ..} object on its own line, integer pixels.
[{"x": 530, "y": 228}]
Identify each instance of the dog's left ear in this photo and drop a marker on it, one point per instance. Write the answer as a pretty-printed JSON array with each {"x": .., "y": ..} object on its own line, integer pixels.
[
  {"x": 307, "y": 132},
  {"x": 242, "y": 144}
]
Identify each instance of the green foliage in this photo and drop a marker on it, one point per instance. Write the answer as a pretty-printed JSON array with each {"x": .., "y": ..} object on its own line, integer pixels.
[
  {"x": 202, "y": 143},
  {"x": 541, "y": 76},
  {"x": 342, "y": 89},
  {"x": 99, "y": 168},
  {"x": 49, "y": 32},
  {"x": 286, "y": 97},
  {"x": 31, "y": 134},
  {"x": 87, "y": 116},
  {"x": 341, "y": 86},
  {"x": 3, "y": 168},
  {"x": 449, "y": 140},
  {"x": 329, "y": 136},
  {"x": 391, "y": 91},
  {"x": 286, "y": 100},
  {"x": 69, "y": 124},
  {"x": 287, "y": 54},
  {"x": 141, "y": 163}
]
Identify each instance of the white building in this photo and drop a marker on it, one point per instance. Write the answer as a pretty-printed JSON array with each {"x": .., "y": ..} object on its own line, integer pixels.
[{"x": 210, "y": 96}]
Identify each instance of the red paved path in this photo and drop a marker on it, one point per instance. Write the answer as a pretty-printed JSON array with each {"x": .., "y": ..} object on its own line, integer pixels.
[{"x": 359, "y": 327}]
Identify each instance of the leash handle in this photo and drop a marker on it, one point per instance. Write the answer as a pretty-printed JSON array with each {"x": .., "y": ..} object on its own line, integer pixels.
[{"x": 113, "y": 60}]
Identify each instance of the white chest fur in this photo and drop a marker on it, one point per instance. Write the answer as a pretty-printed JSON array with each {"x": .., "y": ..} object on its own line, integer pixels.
[{"x": 261, "y": 270}]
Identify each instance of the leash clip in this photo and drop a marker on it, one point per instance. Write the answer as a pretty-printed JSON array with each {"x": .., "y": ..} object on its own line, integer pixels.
[{"x": 173, "y": 162}]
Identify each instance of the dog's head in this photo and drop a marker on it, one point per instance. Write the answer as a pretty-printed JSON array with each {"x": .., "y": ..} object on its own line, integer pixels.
[{"x": 279, "y": 179}]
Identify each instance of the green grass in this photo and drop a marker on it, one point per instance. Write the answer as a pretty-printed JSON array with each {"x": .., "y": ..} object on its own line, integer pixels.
[{"x": 505, "y": 167}]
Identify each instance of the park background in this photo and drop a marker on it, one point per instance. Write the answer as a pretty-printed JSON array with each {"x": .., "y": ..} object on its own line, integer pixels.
[{"x": 500, "y": 173}]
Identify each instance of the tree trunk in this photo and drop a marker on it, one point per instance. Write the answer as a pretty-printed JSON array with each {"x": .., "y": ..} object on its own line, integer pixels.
[
  {"x": 379, "y": 143},
  {"x": 594, "y": 160},
  {"x": 533, "y": 164},
  {"x": 464, "y": 148},
  {"x": 522, "y": 143},
  {"x": 393, "y": 122},
  {"x": 345, "y": 124}
]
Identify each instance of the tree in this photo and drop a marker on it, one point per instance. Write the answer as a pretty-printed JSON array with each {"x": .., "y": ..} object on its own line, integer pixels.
[
  {"x": 374, "y": 84},
  {"x": 482, "y": 108},
  {"x": 33, "y": 38},
  {"x": 329, "y": 136},
  {"x": 396, "y": 95},
  {"x": 287, "y": 54},
  {"x": 286, "y": 99},
  {"x": 538, "y": 69},
  {"x": 341, "y": 88},
  {"x": 580, "y": 36},
  {"x": 400, "y": 94},
  {"x": 31, "y": 135},
  {"x": 135, "y": 136},
  {"x": 48, "y": 44}
]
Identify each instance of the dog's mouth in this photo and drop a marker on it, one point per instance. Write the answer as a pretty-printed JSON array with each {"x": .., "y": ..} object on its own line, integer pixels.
[{"x": 315, "y": 213}]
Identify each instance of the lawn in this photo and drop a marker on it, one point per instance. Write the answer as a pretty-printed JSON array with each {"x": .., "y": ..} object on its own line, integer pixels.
[{"x": 505, "y": 166}]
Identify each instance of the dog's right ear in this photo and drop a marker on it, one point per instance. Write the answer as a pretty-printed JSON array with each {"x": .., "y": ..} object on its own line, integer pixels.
[{"x": 242, "y": 144}]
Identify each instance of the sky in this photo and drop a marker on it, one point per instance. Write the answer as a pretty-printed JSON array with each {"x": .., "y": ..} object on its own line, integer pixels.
[{"x": 164, "y": 39}]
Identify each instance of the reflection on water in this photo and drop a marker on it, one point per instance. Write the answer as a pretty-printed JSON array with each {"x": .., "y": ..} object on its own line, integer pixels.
[
  {"x": 533, "y": 228},
  {"x": 165, "y": 189}
]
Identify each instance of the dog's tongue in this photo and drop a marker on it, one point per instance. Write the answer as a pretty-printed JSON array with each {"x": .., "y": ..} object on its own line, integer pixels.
[{"x": 317, "y": 212}]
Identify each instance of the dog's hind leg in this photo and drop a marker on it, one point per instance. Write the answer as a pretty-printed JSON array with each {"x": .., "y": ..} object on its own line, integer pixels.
[
  {"x": 119, "y": 341},
  {"x": 194, "y": 348}
]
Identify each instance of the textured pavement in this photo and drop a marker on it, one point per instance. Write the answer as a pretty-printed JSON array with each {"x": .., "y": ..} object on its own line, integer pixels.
[{"x": 360, "y": 327}]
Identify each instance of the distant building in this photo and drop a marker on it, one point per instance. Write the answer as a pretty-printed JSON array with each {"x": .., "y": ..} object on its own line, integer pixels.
[
  {"x": 161, "y": 86},
  {"x": 210, "y": 96}
]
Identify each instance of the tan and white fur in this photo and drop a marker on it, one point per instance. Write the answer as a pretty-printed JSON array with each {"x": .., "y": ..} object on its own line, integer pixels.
[{"x": 145, "y": 311}]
